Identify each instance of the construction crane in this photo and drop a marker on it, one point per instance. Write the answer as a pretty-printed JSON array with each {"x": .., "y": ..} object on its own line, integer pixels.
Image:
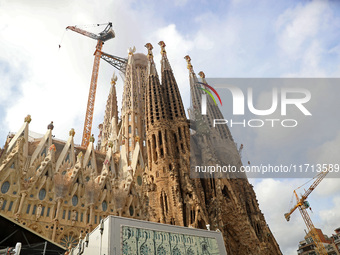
[
  {"x": 117, "y": 62},
  {"x": 303, "y": 204}
]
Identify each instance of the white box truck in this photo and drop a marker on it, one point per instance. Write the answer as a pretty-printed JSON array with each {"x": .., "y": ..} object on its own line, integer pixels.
[{"x": 125, "y": 236}]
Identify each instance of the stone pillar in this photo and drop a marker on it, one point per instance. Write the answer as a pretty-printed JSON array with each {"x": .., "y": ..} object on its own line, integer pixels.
[{"x": 23, "y": 195}]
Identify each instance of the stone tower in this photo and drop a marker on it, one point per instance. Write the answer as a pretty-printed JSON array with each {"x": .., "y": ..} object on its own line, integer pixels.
[
  {"x": 167, "y": 132},
  {"x": 230, "y": 199},
  {"x": 132, "y": 129},
  {"x": 110, "y": 117}
]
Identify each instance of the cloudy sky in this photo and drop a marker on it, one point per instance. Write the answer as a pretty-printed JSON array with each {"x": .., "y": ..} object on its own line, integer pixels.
[{"x": 235, "y": 38}]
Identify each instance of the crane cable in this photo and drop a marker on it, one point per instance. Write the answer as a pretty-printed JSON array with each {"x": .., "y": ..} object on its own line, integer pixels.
[
  {"x": 62, "y": 38},
  {"x": 291, "y": 201},
  {"x": 91, "y": 25},
  {"x": 84, "y": 26},
  {"x": 307, "y": 182},
  {"x": 290, "y": 206}
]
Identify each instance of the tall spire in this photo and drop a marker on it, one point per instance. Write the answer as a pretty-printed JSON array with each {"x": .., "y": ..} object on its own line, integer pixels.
[
  {"x": 194, "y": 89},
  {"x": 132, "y": 127},
  {"x": 110, "y": 112},
  {"x": 165, "y": 142},
  {"x": 164, "y": 61},
  {"x": 214, "y": 112},
  {"x": 172, "y": 96},
  {"x": 154, "y": 101},
  {"x": 152, "y": 68}
]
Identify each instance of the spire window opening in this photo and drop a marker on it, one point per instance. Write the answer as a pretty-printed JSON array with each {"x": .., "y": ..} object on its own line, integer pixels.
[
  {"x": 175, "y": 138},
  {"x": 154, "y": 145},
  {"x": 160, "y": 138},
  {"x": 166, "y": 203}
]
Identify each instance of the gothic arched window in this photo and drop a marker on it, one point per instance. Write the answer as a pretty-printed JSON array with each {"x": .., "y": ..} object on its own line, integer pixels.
[
  {"x": 74, "y": 200},
  {"x": 42, "y": 194},
  {"x": 5, "y": 187},
  {"x": 104, "y": 205}
]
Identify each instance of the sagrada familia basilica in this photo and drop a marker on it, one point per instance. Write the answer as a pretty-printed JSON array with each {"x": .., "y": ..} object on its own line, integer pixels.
[{"x": 139, "y": 168}]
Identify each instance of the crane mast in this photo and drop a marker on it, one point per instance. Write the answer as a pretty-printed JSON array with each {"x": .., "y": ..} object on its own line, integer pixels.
[
  {"x": 119, "y": 63},
  {"x": 92, "y": 96},
  {"x": 302, "y": 204}
]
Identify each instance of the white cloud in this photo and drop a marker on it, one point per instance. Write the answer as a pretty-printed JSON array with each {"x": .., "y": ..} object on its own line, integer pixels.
[
  {"x": 181, "y": 2},
  {"x": 331, "y": 217},
  {"x": 298, "y": 25}
]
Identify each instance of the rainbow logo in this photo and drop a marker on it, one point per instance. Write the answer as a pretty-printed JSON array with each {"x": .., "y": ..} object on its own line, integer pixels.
[{"x": 209, "y": 93}]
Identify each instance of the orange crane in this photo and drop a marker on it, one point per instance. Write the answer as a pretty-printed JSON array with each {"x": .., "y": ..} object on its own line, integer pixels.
[
  {"x": 303, "y": 204},
  {"x": 119, "y": 63}
]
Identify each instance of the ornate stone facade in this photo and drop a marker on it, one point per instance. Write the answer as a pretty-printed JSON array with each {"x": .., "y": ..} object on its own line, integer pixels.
[{"x": 139, "y": 169}]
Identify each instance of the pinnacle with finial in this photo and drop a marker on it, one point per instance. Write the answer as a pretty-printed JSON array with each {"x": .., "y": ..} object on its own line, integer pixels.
[
  {"x": 189, "y": 66},
  {"x": 149, "y": 47},
  {"x": 72, "y": 132},
  {"x": 201, "y": 74},
  {"x": 114, "y": 79},
  {"x": 162, "y": 44},
  {"x": 28, "y": 118},
  {"x": 79, "y": 156},
  {"x": 52, "y": 147},
  {"x": 132, "y": 50},
  {"x": 92, "y": 139},
  {"x": 50, "y": 126},
  {"x": 110, "y": 144}
]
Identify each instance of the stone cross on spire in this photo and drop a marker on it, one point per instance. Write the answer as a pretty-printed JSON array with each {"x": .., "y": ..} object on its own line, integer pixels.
[
  {"x": 114, "y": 79},
  {"x": 132, "y": 50}
]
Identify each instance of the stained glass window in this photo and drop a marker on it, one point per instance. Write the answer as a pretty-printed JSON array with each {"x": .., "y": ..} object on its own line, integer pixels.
[
  {"x": 104, "y": 205},
  {"x": 139, "y": 180},
  {"x": 131, "y": 210},
  {"x": 74, "y": 200},
  {"x": 5, "y": 187},
  {"x": 42, "y": 194},
  {"x": 68, "y": 241}
]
